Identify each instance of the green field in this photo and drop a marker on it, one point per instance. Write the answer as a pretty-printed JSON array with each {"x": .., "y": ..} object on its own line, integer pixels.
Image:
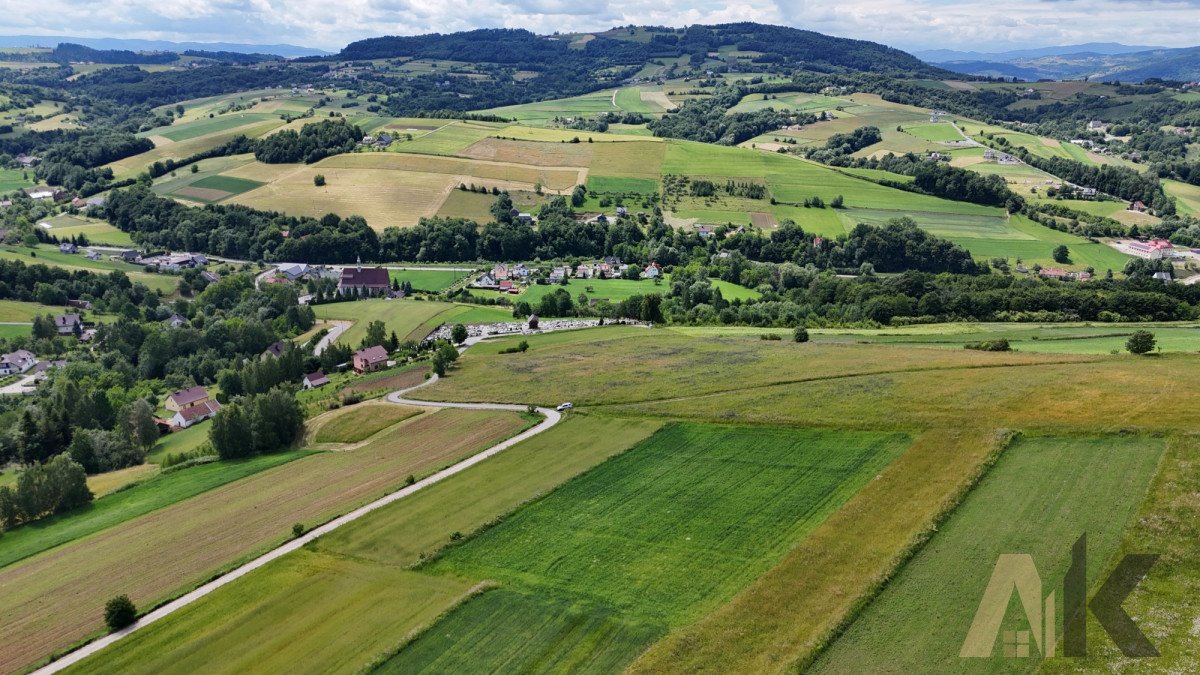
[
  {"x": 433, "y": 281},
  {"x": 66, "y": 226},
  {"x": 1039, "y": 498},
  {"x": 681, "y": 522},
  {"x": 204, "y": 127},
  {"x": 14, "y": 179},
  {"x": 938, "y": 132},
  {"x": 359, "y": 423},
  {"x": 619, "y": 184},
  {"x": 50, "y": 255},
  {"x": 23, "y": 312},
  {"x": 178, "y": 442},
  {"x": 410, "y": 319},
  {"x": 511, "y": 631}
]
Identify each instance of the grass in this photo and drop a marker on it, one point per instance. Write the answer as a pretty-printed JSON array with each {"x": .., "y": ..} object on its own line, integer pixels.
[
  {"x": 517, "y": 632},
  {"x": 15, "y": 310},
  {"x": 358, "y": 423},
  {"x": 934, "y": 132},
  {"x": 410, "y": 319},
  {"x": 298, "y": 610},
  {"x": 1042, "y": 494},
  {"x": 364, "y": 560},
  {"x": 177, "y": 443},
  {"x": 102, "y": 484},
  {"x": 153, "y": 494},
  {"x": 622, "y": 184},
  {"x": 433, "y": 281},
  {"x": 208, "y": 126},
  {"x": 833, "y": 570},
  {"x": 66, "y": 226},
  {"x": 683, "y": 520},
  {"x": 191, "y": 540},
  {"x": 14, "y": 179},
  {"x": 215, "y": 188}
]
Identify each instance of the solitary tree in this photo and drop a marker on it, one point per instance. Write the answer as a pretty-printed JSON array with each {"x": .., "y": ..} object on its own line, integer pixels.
[
  {"x": 458, "y": 333},
  {"x": 1140, "y": 342},
  {"x": 1062, "y": 254},
  {"x": 142, "y": 427},
  {"x": 119, "y": 612},
  {"x": 319, "y": 179},
  {"x": 801, "y": 334}
]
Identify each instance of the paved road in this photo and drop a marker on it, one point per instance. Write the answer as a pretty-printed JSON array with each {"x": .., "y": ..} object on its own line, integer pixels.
[
  {"x": 21, "y": 386},
  {"x": 334, "y": 333},
  {"x": 552, "y": 418}
]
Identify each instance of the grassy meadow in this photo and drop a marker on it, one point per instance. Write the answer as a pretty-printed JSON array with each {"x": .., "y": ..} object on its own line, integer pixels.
[{"x": 409, "y": 319}]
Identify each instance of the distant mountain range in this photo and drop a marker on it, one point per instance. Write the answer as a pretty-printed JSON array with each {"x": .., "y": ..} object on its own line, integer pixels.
[
  {"x": 284, "y": 50},
  {"x": 1098, "y": 60}
]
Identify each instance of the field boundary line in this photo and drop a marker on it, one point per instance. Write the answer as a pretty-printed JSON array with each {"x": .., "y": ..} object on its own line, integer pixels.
[{"x": 552, "y": 416}]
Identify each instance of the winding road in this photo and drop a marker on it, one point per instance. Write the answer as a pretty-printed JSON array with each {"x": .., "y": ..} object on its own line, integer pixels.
[{"x": 552, "y": 418}]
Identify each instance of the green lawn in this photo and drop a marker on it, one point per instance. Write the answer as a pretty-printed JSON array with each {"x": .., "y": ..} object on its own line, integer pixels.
[
  {"x": 643, "y": 186},
  {"x": 14, "y": 179},
  {"x": 15, "y": 310},
  {"x": 428, "y": 280},
  {"x": 1041, "y": 495},
  {"x": 97, "y": 231},
  {"x": 178, "y": 443},
  {"x": 156, "y": 493},
  {"x": 410, "y": 319}
]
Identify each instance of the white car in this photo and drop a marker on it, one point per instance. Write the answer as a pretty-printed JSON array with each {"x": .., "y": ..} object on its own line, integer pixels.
[{"x": 565, "y": 407}]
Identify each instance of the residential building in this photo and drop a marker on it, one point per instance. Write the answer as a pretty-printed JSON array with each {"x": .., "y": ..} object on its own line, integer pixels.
[
  {"x": 176, "y": 321},
  {"x": 186, "y": 398},
  {"x": 370, "y": 359},
  {"x": 314, "y": 380},
  {"x": 17, "y": 362},
  {"x": 67, "y": 324},
  {"x": 276, "y": 349},
  {"x": 68, "y": 247},
  {"x": 292, "y": 271},
  {"x": 652, "y": 271},
  {"x": 194, "y": 414},
  {"x": 500, "y": 272}
]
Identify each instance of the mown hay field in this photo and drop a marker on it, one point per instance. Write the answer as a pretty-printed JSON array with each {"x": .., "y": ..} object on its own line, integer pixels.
[
  {"x": 384, "y": 197},
  {"x": 410, "y": 319},
  {"x": 559, "y": 177},
  {"x": 359, "y": 422}
]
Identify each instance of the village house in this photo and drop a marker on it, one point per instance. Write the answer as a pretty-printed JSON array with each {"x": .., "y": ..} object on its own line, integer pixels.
[
  {"x": 314, "y": 380},
  {"x": 1053, "y": 273},
  {"x": 485, "y": 280},
  {"x": 17, "y": 362},
  {"x": 526, "y": 218},
  {"x": 93, "y": 255},
  {"x": 45, "y": 192},
  {"x": 129, "y": 256},
  {"x": 583, "y": 271},
  {"x": 1137, "y": 206},
  {"x": 27, "y": 161},
  {"x": 370, "y": 359},
  {"x": 558, "y": 274},
  {"x": 194, "y": 414},
  {"x": 80, "y": 304},
  {"x": 67, "y": 324},
  {"x": 506, "y": 286},
  {"x": 652, "y": 271},
  {"x": 210, "y": 277},
  {"x": 500, "y": 272},
  {"x": 276, "y": 349},
  {"x": 520, "y": 271},
  {"x": 42, "y": 370},
  {"x": 68, "y": 247},
  {"x": 186, "y": 398},
  {"x": 369, "y": 281},
  {"x": 1164, "y": 277},
  {"x": 704, "y": 231},
  {"x": 176, "y": 321}
]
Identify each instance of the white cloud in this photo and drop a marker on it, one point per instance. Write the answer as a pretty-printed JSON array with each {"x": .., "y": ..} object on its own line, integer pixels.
[{"x": 912, "y": 24}]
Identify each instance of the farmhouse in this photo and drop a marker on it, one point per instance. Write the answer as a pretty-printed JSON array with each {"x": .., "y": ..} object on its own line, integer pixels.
[
  {"x": 67, "y": 324},
  {"x": 1137, "y": 206},
  {"x": 17, "y": 362},
  {"x": 186, "y": 398},
  {"x": 652, "y": 271},
  {"x": 276, "y": 349},
  {"x": 130, "y": 256},
  {"x": 93, "y": 255},
  {"x": 68, "y": 247},
  {"x": 45, "y": 192},
  {"x": 314, "y": 380},
  {"x": 194, "y": 414},
  {"x": 370, "y": 359},
  {"x": 558, "y": 274},
  {"x": 500, "y": 272},
  {"x": 176, "y": 321},
  {"x": 1053, "y": 273},
  {"x": 369, "y": 281}
]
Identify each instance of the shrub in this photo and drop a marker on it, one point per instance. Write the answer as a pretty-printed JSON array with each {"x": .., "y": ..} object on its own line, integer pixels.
[
  {"x": 119, "y": 613},
  {"x": 319, "y": 180},
  {"x": 1140, "y": 342},
  {"x": 770, "y": 336},
  {"x": 297, "y": 529},
  {"x": 1000, "y": 345},
  {"x": 800, "y": 334}
]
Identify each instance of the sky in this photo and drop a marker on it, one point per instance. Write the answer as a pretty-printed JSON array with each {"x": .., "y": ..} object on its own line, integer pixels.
[{"x": 979, "y": 25}]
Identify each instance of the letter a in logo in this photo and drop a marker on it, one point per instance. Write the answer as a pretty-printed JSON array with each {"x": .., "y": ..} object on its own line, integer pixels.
[{"x": 1013, "y": 571}]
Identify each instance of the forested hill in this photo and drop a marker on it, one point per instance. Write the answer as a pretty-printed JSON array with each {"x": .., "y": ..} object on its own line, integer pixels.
[{"x": 637, "y": 45}]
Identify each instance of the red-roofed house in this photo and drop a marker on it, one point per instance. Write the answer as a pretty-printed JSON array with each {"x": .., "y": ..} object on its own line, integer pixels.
[
  {"x": 186, "y": 398},
  {"x": 193, "y": 414},
  {"x": 370, "y": 359},
  {"x": 314, "y": 380}
]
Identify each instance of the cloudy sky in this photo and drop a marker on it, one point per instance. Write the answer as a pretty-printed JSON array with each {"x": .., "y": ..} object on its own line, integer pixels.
[{"x": 908, "y": 24}]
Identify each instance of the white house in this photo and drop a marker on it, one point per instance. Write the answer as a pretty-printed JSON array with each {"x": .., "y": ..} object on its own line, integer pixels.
[
  {"x": 17, "y": 362},
  {"x": 197, "y": 413}
]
